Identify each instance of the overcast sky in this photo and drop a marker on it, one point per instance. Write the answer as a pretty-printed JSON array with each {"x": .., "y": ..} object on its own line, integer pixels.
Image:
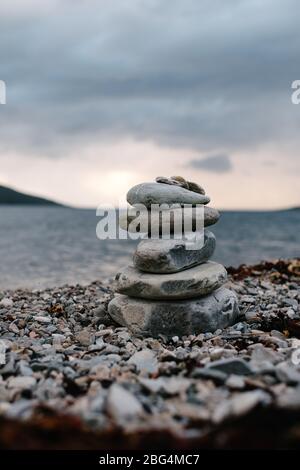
[{"x": 105, "y": 94}]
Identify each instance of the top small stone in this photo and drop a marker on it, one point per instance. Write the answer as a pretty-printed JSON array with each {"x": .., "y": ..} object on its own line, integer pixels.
[
  {"x": 173, "y": 181},
  {"x": 160, "y": 193},
  {"x": 195, "y": 187},
  {"x": 180, "y": 181}
]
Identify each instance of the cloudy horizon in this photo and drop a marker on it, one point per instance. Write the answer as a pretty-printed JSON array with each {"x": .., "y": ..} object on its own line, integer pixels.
[{"x": 104, "y": 95}]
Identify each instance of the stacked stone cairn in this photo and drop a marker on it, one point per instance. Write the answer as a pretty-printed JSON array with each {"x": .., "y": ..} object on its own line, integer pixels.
[{"x": 171, "y": 290}]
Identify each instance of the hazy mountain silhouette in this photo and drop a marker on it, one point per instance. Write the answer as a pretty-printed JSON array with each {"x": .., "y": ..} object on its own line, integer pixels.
[{"x": 10, "y": 196}]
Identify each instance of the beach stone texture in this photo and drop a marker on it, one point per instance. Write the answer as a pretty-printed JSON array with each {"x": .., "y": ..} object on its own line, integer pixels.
[
  {"x": 179, "y": 181},
  {"x": 194, "y": 282},
  {"x": 186, "y": 317},
  {"x": 154, "y": 225},
  {"x": 160, "y": 193},
  {"x": 171, "y": 256}
]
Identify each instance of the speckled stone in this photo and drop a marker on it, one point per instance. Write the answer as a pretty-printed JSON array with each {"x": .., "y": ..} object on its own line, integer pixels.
[
  {"x": 171, "y": 256},
  {"x": 179, "y": 181},
  {"x": 160, "y": 193},
  {"x": 170, "y": 318},
  {"x": 193, "y": 282}
]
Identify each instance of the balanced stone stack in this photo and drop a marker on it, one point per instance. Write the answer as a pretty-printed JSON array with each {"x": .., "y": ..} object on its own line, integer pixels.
[{"x": 169, "y": 289}]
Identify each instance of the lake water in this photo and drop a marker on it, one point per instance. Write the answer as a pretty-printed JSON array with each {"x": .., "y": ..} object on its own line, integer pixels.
[{"x": 48, "y": 246}]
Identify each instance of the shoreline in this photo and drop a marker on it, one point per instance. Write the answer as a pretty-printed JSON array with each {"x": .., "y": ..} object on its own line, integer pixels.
[
  {"x": 69, "y": 368},
  {"x": 236, "y": 272}
]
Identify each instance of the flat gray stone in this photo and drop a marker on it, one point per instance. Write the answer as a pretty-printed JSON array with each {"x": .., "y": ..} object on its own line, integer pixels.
[
  {"x": 148, "y": 224},
  {"x": 209, "y": 374},
  {"x": 185, "y": 317},
  {"x": 193, "y": 282},
  {"x": 230, "y": 365},
  {"x": 171, "y": 256},
  {"x": 160, "y": 193}
]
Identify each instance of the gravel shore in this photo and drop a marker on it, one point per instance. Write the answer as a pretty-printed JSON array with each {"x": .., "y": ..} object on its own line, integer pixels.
[{"x": 71, "y": 378}]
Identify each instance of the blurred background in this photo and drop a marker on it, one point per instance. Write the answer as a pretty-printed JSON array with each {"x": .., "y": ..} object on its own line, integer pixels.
[{"x": 104, "y": 95}]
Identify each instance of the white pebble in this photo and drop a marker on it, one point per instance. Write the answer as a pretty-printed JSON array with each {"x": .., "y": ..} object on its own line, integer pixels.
[
  {"x": 43, "y": 319},
  {"x": 6, "y": 302}
]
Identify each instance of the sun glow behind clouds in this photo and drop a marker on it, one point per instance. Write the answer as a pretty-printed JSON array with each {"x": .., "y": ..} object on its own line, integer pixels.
[
  {"x": 104, "y": 95},
  {"x": 103, "y": 173},
  {"x": 111, "y": 187}
]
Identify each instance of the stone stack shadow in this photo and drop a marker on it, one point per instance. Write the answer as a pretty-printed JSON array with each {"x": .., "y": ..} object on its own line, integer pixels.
[{"x": 172, "y": 288}]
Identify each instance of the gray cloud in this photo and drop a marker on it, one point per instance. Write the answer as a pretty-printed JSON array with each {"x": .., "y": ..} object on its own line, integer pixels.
[
  {"x": 210, "y": 76},
  {"x": 214, "y": 163}
]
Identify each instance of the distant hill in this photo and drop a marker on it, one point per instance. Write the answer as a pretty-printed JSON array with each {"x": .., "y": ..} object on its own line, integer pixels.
[
  {"x": 291, "y": 209},
  {"x": 10, "y": 196}
]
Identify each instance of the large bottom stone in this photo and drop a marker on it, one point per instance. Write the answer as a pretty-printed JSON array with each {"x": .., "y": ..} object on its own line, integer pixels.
[
  {"x": 194, "y": 282},
  {"x": 171, "y": 256},
  {"x": 185, "y": 317}
]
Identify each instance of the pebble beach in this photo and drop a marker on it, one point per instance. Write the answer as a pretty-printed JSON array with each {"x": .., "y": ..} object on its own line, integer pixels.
[{"x": 66, "y": 370}]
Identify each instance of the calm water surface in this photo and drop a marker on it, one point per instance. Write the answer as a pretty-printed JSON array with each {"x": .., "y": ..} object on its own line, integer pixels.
[{"x": 47, "y": 246}]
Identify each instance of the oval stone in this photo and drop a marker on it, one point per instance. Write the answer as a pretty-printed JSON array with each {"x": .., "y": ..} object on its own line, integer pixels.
[
  {"x": 155, "y": 224},
  {"x": 160, "y": 193},
  {"x": 171, "y": 256},
  {"x": 193, "y": 282},
  {"x": 179, "y": 318}
]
